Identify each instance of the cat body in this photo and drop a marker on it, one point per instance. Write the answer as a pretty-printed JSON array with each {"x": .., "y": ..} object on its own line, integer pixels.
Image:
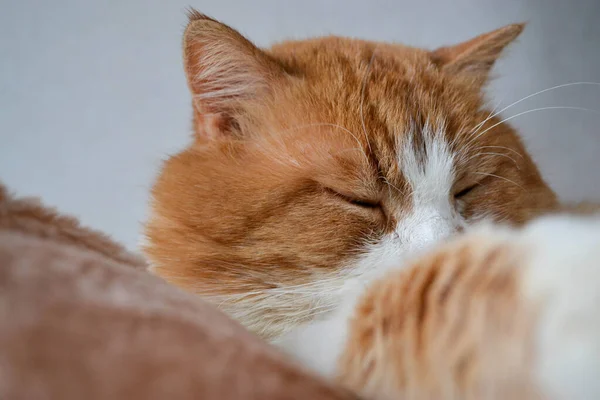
[
  {"x": 499, "y": 313},
  {"x": 318, "y": 169}
]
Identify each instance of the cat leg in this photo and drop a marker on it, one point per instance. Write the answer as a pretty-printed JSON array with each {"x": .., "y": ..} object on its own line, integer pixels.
[{"x": 496, "y": 314}]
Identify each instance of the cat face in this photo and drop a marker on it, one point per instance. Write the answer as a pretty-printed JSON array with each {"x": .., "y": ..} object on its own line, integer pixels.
[{"x": 317, "y": 165}]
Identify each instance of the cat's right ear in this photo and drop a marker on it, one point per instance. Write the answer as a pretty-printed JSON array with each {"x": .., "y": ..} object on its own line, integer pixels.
[{"x": 223, "y": 71}]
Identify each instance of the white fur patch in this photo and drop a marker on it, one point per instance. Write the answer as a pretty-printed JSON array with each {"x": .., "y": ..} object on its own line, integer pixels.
[
  {"x": 430, "y": 176},
  {"x": 563, "y": 279},
  {"x": 429, "y": 170}
]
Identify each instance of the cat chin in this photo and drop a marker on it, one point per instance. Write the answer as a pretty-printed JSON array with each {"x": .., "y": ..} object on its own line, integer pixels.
[{"x": 319, "y": 344}]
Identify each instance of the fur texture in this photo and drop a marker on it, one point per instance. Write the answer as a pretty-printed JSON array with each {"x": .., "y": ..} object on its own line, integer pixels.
[
  {"x": 80, "y": 318},
  {"x": 321, "y": 166},
  {"x": 304, "y": 163},
  {"x": 499, "y": 313}
]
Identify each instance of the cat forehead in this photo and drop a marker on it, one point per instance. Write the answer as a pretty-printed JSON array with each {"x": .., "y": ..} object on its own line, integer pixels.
[
  {"x": 418, "y": 162},
  {"x": 334, "y": 66},
  {"x": 389, "y": 99},
  {"x": 345, "y": 54},
  {"x": 378, "y": 94}
]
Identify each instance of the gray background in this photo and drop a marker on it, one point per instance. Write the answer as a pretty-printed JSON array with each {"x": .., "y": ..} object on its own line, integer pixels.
[{"x": 92, "y": 94}]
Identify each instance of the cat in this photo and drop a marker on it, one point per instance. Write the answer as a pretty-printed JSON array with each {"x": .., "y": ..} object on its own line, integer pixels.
[{"x": 319, "y": 167}]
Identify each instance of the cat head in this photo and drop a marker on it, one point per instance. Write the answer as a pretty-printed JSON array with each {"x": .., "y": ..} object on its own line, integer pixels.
[{"x": 317, "y": 164}]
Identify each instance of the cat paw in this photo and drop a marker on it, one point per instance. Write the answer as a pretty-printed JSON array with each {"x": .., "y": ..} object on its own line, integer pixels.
[{"x": 562, "y": 282}]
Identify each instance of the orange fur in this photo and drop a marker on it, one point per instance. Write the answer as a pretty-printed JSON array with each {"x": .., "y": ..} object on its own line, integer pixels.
[
  {"x": 293, "y": 171},
  {"x": 247, "y": 207},
  {"x": 452, "y": 325},
  {"x": 495, "y": 314}
]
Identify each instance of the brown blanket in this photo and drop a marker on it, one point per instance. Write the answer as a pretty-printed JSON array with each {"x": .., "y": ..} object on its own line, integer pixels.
[{"x": 81, "y": 319}]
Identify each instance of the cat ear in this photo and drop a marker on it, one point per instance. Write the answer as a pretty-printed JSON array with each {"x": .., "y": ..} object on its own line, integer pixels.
[
  {"x": 223, "y": 70},
  {"x": 476, "y": 57}
]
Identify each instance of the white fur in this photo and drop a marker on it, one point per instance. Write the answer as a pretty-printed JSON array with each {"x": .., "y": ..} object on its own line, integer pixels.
[
  {"x": 432, "y": 217},
  {"x": 563, "y": 279},
  {"x": 561, "y": 276}
]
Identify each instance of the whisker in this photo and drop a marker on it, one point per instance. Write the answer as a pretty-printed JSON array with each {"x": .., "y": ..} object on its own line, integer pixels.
[
  {"x": 494, "y": 114},
  {"x": 491, "y": 115},
  {"x": 495, "y": 154},
  {"x": 530, "y": 111},
  {"x": 474, "y": 131},
  {"x": 500, "y": 177},
  {"x": 544, "y": 91},
  {"x": 390, "y": 184},
  {"x": 503, "y": 147}
]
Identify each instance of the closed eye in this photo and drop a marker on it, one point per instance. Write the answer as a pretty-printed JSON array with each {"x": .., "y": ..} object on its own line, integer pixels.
[
  {"x": 465, "y": 191},
  {"x": 355, "y": 200},
  {"x": 362, "y": 203}
]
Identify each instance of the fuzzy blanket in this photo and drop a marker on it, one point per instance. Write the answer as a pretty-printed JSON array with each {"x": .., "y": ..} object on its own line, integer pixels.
[{"x": 81, "y": 319}]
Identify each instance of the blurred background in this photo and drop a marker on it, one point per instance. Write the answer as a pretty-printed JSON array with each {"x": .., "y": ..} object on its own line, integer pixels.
[{"x": 93, "y": 97}]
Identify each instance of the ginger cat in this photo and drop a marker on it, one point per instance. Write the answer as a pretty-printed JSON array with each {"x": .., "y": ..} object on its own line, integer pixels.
[{"x": 320, "y": 169}]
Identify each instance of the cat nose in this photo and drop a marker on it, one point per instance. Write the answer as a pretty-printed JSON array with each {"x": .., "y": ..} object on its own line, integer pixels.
[{"x": 431, "y": 231}]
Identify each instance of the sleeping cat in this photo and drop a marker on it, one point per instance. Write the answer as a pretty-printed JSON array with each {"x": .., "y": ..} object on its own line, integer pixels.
[{"x": 320, "y": 168}]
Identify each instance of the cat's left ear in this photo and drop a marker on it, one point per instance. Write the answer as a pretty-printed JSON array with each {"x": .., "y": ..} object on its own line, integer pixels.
[{"x": 476, "y": 57}]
